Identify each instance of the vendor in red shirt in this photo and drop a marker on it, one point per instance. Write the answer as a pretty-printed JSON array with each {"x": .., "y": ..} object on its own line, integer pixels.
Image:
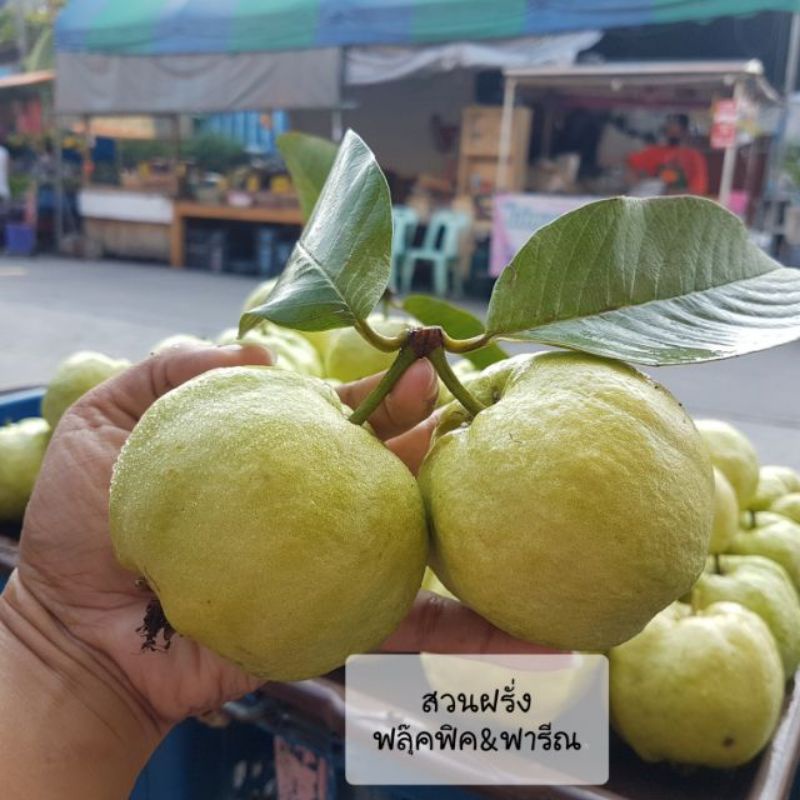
[{"x": 681, "y": 169}]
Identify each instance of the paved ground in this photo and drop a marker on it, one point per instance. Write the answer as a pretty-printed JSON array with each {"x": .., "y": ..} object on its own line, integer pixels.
[{"x": 51, "y": 307}]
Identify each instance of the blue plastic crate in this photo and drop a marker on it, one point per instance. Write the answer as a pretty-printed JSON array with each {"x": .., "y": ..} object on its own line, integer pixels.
[
  {"x": 20, "y": 239},
  {"x": 20, "y": 403}
]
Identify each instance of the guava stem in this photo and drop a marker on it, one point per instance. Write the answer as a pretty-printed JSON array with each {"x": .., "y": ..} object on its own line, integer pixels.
[
  {"x": 466, "y": 345},
  {"x": 438, "y": 358},
  {"x": 386, "y": 343},
  {"x": 405, "y": 358}
]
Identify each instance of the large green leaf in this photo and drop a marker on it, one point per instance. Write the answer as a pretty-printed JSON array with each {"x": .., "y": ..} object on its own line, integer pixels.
[
  {"x": 457, "y": 322},
  {"x": 309, "y": 159},
  {"x": 339, "y": 269},
  {"x": 669, "y": 280}
]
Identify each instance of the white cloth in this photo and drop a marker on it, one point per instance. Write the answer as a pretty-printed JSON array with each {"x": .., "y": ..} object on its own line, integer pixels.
[
  {"x": 5, "y": 193},
  {"x": 379, "y": 64}
]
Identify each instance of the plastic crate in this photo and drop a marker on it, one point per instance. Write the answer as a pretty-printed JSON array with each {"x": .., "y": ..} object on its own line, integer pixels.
[
  {"x": 20, "y": 239},
  {"x": 20, "y": 403},
  {"x": 206, "y": 249}
]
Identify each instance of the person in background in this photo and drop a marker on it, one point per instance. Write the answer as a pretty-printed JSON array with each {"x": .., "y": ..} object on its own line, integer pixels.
[{"x": 681, "y": 168}]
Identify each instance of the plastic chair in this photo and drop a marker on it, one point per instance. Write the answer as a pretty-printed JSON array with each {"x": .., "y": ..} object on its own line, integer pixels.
[
  {"x": 441, "y": 248},
  {"x": 404, "y": 228}
]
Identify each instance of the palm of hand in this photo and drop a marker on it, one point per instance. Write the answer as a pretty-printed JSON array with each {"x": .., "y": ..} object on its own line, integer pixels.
[{"x": 67, "y": 562}]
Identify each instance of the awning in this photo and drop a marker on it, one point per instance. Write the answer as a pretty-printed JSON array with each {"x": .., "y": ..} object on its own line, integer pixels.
[
  {"x": 26, "y": 79},
  {"x": 687, "y": 82},
  {"x": 163, "y": 27},
  {"x": 97, "y": 83},
  {"x": 200, "y": 56}
]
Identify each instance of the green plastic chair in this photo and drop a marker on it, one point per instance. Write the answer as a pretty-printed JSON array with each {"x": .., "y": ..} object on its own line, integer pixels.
[
  {"x": 404, "y": 227},
  {"x": 440, "y": 248}
]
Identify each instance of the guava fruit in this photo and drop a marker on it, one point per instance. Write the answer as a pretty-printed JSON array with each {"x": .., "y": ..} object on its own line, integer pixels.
[
  {"x": 764, "y": 587},
  {"x": 773, "y": 537},
  {"x": 22, "y": 447},
  {"x": 789, "y": 477},
  {"x": 734, "y": 455},
  {"x": 176, "y": 340},
  {"x": 788, "y": 506},
  {"x": 432, "y": 584},
  {"x": 259, "y": 295},
  {"x": 726, "y": 514},
  {"x": 701, "y": 688},
  {"x": 771, "y": 487},
  {"x": 74, "y": 377},
  {"x": 290, "y": 349},
  {"x": 575, "y": 506},
  {"x": 350, "y": 357},
  {"x": 272, "y": 530},
  {"x": 318, "y": 339}
]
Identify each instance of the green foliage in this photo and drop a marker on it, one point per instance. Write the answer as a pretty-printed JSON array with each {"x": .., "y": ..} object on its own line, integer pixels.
[
  {"x": 665, "y": 280},
  {"x": 309, "y": 160},
  {"x": 134, "y": 151},
  {"x": 214, "y": 152},
  {"x": 211, "y": 151},
  {"x": 339, "y": 269},
  {"x": 671, "y": 280}
]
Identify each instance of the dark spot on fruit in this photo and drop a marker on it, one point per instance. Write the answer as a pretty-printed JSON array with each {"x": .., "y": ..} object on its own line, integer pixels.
[{"x": 728, "y": 741}]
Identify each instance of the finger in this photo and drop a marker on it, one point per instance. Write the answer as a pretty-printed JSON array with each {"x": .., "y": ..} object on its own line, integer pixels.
[
  {"x": 411, "y": 400},
  {"x": 436, "y": 624},
  {"x": 411, "y": 447},
  {"x": 126, "y": 397}
]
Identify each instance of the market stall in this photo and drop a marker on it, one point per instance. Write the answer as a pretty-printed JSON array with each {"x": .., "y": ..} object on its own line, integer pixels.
[
  {"x": 593, "y": 118},
  {"x": 400, "y": 73}
]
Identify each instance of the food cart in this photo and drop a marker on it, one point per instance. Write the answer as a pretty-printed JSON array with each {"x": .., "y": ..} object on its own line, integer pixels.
[{"x": 620, "y": 108}]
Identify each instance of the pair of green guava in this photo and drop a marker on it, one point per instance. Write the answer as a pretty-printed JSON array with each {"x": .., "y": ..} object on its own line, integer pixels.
[{"x": 274, "y": 531}]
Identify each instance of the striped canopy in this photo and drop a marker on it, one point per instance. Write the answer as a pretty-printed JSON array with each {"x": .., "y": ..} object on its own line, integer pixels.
[{"x": 163, "y": 27}]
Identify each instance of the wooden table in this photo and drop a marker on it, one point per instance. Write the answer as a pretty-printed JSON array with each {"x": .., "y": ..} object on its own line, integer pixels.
[{"x": 183, "y": 210}]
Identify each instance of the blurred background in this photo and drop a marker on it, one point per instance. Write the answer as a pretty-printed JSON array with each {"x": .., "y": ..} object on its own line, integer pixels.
[{"x": 142, "y": 195}]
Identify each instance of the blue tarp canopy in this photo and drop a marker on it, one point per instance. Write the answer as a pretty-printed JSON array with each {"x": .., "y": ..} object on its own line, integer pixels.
[
  {"x": 198, "y": 56},
  {"x": 159, "y": 27}
]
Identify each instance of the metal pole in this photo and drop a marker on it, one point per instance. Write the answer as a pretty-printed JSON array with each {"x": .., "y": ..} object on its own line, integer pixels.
[
  {"x": 506, "y": 124},
  {"x": 792, "y": 56},
  {"x": 337, "y": 125},
  {"x": 59, "y": 187},
  {"x": 22, "y": 29},
  {"x": 729, "y": 160}
]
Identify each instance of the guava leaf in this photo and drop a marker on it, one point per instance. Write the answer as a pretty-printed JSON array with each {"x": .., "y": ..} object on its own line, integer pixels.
[
  {"x": 339, "y": 269},
  {"x": 457, "y": 322},
  {"x": 668, "y": 280},
  {"x": 309, "y": 160}
]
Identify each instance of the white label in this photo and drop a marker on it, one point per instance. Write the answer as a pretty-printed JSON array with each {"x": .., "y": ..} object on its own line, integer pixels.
[{"x": 476, "y": 720}]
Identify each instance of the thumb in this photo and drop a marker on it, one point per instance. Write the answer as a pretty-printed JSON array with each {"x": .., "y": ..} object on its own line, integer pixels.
[{"x": 123, "y": 399}]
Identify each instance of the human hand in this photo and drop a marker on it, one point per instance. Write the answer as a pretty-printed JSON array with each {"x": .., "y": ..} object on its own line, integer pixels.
[{"x": 67, "y": 566}]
